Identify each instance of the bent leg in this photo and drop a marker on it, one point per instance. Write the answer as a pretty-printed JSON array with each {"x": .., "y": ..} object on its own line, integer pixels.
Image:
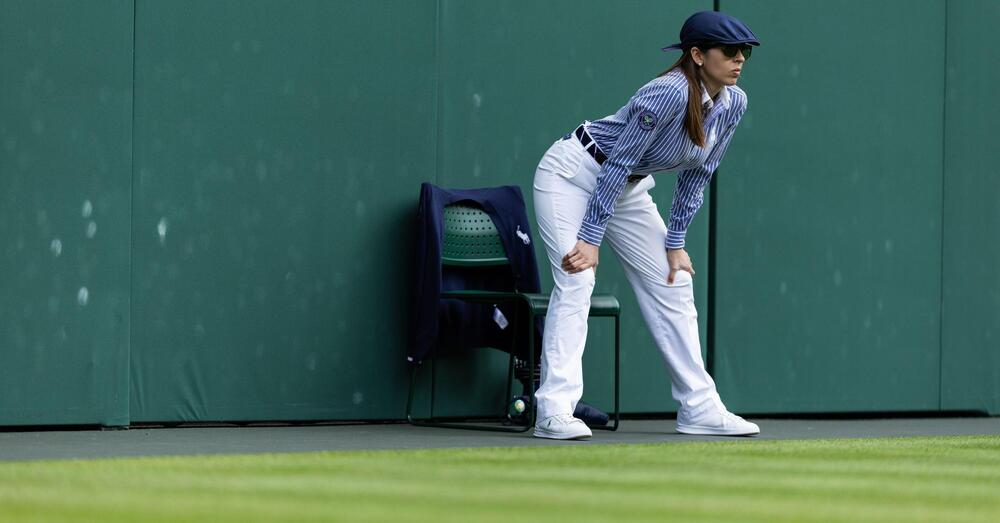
[
  {"x": 636, "y": 234},
  {"x": 559, "y": 207}
]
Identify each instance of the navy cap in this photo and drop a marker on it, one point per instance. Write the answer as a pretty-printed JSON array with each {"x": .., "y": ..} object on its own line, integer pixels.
[{"x": 713, "y": 27}]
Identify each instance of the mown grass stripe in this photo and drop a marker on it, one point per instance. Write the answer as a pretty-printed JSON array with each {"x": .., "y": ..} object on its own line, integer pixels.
[{"x": 886, "y": 479}]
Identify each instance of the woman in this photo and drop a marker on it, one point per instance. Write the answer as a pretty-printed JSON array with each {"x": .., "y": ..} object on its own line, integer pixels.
[{"x": 592, "y": 185}]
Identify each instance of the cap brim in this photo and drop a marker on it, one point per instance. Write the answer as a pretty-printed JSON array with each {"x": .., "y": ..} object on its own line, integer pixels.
[
  {"x": 671, "y": 47},
  {"x": 743, "y": 42}
]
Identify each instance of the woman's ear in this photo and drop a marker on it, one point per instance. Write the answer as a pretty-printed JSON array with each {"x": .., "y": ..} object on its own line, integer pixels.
[{"x": 697, "y": 56}]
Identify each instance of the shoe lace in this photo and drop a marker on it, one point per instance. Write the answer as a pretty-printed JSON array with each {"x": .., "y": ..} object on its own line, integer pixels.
[
  {"x": 729, "y": 416},
  {"x": 566, "y": 418}
]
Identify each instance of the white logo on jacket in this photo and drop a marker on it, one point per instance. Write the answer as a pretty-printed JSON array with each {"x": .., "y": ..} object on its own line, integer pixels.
[{"x": 522, "y": 235}]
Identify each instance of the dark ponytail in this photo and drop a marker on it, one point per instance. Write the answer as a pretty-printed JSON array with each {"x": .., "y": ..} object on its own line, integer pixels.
[{"x": 693, "y": 121}]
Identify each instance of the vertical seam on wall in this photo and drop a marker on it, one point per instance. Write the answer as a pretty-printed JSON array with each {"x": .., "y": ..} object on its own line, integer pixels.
[
  {"x": 131, "y": 234},
  {"x": 437, "y": 93},
  {"x": 710, "y": 291},
  {"x": 944, "y": 160}
]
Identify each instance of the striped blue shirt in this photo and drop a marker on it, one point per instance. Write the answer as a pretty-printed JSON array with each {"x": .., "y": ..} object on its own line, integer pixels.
[{"x": 647, "y": 135}]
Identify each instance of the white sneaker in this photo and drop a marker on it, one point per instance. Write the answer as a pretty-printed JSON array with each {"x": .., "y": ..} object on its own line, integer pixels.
[
  {"x": 712, "y": 419},
  {"x": 562, "y": 426}
]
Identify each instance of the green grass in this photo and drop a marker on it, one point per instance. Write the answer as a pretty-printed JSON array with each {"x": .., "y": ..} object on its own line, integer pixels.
[{"x": 939, "y": 479}]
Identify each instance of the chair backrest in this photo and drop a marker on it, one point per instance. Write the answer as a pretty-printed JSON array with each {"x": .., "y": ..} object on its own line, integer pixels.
[{"x": 470, "y": 238}]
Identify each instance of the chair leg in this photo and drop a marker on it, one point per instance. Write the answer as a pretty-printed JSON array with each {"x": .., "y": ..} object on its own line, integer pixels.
[
  {"x": 510, "y": 378},
  {"x": 532, "y": 410},
  {"x": 616, "y": 415},
  {"x": 409, "y": 397},
  {"x": 618, "y": 341},
  {"x": 433, "y": 385},
  {"x": 429, "y": 422}
]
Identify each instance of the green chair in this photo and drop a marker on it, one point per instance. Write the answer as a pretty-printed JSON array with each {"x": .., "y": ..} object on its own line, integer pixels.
[{"x": 471, "y": 240}]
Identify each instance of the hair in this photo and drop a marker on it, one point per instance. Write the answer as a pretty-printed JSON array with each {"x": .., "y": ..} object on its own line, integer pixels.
[{"x": 693, "y": 122}]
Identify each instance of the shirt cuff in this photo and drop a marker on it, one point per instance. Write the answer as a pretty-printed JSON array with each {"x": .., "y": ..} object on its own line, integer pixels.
[
  {"x": 675, "y": 239},
  {"x": 591, "y": 233}
]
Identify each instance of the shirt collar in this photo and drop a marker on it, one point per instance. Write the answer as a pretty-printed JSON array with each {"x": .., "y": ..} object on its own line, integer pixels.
[{"x": 723, "y": 98}]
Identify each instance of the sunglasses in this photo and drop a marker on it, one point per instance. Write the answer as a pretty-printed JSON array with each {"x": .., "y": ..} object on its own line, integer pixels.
[{"x": 731, "y": 50}]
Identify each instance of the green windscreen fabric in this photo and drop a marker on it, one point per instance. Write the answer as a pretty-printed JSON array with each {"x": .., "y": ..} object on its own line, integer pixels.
[
  {"x": 207, "y": 208},
  {"x": 65, "y": 171},
  {"x": 829, "y": 211},
  {"x": 279, "y": 149},
  {"x": 970, "y": 362}
]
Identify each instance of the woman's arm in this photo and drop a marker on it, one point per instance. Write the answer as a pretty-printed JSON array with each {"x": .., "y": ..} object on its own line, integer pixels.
[
  {"x": 651, "y": 109},
  {"x": 690, "y": 188},
  {"x": 689, "y": 194}
]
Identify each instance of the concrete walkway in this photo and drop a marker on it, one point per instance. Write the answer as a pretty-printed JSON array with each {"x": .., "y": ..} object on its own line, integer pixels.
[{"x": 82, "y": 444}]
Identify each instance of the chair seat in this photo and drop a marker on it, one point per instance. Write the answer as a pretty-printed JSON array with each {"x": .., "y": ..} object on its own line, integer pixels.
[
  {"x": 604, "y": 304},
  {"x": 600, "y": 304}
]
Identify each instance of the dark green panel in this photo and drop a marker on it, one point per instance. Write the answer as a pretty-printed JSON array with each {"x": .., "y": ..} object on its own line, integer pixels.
[
  {"x": 970, "y": 361},
  {"x": 829, "y": 211},
  {"x": 279, "y": 150},
  {"x": 517, "y": 76},
  {"x": 65, "y": 167}
]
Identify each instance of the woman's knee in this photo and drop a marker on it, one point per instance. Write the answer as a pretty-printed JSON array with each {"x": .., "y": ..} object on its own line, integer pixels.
[{"x": 580, "y": 283}]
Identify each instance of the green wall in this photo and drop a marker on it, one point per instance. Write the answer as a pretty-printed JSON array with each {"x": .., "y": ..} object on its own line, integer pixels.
[
  {"x": 970, "y": 361},
  {"x": 855, "y": 267},
  {"x": 65, "y": 171},
  {"x": 278, "y": 154},
  {"x": 829, "y": 211},
  {"x": 252, "y": 170}
]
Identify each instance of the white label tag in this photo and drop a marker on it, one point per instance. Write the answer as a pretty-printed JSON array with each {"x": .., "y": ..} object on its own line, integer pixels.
[{"x": 499, "y": 318}]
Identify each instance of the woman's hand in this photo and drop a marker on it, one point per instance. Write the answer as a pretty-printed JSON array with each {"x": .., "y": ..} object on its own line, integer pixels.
[
  {"x": 678, "y": 260},
  {"x": 582, "y": 257}
]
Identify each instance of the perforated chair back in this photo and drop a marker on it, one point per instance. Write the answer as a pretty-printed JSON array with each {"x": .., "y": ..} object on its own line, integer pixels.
[{"x": 470, "y": 238}]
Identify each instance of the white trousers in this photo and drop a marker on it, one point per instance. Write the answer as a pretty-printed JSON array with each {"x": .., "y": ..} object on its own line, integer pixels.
[{"x": 564, "y": 181}]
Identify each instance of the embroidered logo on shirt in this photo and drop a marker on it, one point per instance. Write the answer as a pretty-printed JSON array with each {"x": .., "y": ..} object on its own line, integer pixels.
[
  {"x": 647, "y": 120},
  {"x": 522, "y": 235}
]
